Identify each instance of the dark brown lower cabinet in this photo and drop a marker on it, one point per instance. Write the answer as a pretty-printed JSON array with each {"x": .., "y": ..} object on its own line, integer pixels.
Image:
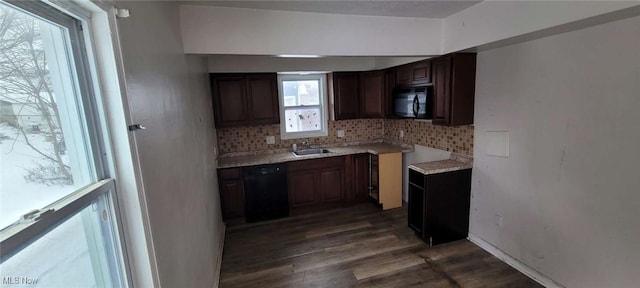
[
  {"x": 302, "y": 188},
  {"x": 439, "y": 205},
  {"x": 330, "y": 185},
  {"x": 231, "y": 193},
  {"x": 315, "y": 182},
  {"x": 361, "y": 177}
]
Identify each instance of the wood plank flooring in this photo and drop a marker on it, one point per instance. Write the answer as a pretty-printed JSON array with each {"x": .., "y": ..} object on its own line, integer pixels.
[{"x": 359, "y": 246}]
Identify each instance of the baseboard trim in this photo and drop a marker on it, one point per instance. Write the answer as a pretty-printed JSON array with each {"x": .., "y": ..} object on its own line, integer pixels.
[
  {"x": 513, "y": 262},
  {"x": 220, "y": 250}
]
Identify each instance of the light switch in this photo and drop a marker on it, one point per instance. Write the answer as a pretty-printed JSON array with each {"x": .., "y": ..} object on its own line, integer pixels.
[
  {"x": 340, "y": 133},
  {"x": 271, "y": 140},
  {"x": 497, "y": 143}
]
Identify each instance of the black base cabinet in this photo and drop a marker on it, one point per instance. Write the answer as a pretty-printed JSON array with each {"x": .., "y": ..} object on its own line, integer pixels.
[{"x": 439, "y": 205}]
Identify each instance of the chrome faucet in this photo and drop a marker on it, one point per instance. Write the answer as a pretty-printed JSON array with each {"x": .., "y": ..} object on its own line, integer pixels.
[{"x": 307, "y": 144}]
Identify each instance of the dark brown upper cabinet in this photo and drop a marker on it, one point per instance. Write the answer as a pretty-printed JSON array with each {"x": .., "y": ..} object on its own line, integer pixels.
[
  {"x": 345, "y": 93},
  {"x": 245, "y": 99},
  {"x": 372, "y": 94},
  {"x": 454, "y": 89},
  {"x": 359, "y": 95},
  {"x": 416, "y": 73},
  {"x": 389, "y": 86}
]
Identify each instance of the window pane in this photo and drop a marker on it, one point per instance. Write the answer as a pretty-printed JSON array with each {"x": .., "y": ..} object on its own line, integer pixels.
[
  {"x": 301, "y": 93},
  {"x": 74, "y": 254},
  {"x": 42, "y": 136},
  {"x": 306, "y": 119}
]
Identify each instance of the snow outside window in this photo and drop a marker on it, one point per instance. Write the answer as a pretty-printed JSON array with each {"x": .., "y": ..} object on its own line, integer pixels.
[{"x": 302, "y": 106}]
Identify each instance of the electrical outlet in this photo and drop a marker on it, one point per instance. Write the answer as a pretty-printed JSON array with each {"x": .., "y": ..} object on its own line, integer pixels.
[
  {"x": 498, "y": 219},
  {"x": 401, "y": 133},
  {"x": 271, "y": 140},
  {"x": 340, "y": 133}
]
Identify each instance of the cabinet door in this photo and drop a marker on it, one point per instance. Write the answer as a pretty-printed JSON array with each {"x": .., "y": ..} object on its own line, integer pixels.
[
  {"x": 232, "y": 198},
  {"x": 302, "y": 188},
  {"x": 441, "y": 90},
  {"x": 447, "y": 206},
  {"x": 389, "y": 85},
  {"x": 229, "y": 100},
  {"x": 262, "y": 96},
  {"x": 231, "y": 193},
  {"x": 372, "y": 94},
  {"x": 404, "y": 75},
  {"x": 417, "y": 73},
  {"x": 390, "y": 180},
  {"x": 454, "y": 89},
  {"x": 330, "y": 185},
  {"x": 416, "y": 208},
  {"x": 421, "y": 72},
  {"x": 361, "y": 177},
  {"x": 345, "y": 89},
  {"x": 463, "y": 85}
]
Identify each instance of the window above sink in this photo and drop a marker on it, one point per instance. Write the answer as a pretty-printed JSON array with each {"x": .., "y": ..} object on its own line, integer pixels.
[{"x": 302, "y": 105}]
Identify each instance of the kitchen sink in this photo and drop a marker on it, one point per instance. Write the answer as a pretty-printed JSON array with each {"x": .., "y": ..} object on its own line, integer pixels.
[{"x": 310, "y": 152}]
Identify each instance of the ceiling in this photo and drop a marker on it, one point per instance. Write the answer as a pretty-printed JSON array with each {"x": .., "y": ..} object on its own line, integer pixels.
[{"x": 420, "y": 9}]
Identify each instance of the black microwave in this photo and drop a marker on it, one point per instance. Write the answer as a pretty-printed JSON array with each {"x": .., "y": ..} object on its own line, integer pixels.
[{"x": 413, "y": 102}]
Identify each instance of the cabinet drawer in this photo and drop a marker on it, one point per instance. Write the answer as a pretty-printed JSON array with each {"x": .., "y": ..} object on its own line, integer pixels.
[{"x": 230, "y": 173}]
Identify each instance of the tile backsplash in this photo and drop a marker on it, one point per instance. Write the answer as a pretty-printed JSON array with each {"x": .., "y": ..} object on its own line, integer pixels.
[
  {"x": 454, "y": 139},
  {"x": 253, "y": 138}
]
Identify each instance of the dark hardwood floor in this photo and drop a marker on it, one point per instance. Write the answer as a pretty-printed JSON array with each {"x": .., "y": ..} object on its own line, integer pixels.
[{"x": 359, "y": 246}]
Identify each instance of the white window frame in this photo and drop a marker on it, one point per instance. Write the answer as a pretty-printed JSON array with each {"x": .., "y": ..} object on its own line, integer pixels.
[
  {"x": 322, "y": 78},
  {"x": 19, "y": 235}
]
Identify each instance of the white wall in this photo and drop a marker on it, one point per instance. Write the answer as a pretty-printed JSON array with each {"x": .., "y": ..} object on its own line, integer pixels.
[
  {"x": 220, "y": 30},
  {"x": 257, "y": 63},
  {"x": 492, "y": 21},
  {"x": 568, "y": 193},
  {"x": 168, "y": 93}
]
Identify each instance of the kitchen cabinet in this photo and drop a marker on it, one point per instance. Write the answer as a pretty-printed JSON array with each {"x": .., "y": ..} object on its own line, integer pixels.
[
  {"x": 439, "y": 205},
  {"x": 245, "y": 99},
  {"x": 417, "y": 73},
  {"x": 385, "y": 179},
  {"x": 389, "y": 182},
  {"x": 316, "y": 182},
  {"x": 303, "y": 187},
  {"x": 454, "y": 89},
  {"x": 359, "y": 95},
  {"x": 372, "y": 94},
  {"x": 231, "y": 193},
  {"x": 360, "y": 177},
  {"x": 345, "y": 93},
  {"x": 389, "y": 86}
]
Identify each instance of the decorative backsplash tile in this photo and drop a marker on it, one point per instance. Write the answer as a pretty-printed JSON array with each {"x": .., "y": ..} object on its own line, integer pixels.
[
  {"x": 455, "y": 139},
  {"x": 253, "y": 138}
]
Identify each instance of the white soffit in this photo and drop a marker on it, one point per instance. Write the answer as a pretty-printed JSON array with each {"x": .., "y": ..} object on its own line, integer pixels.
[{"x": 417, "y": 9}]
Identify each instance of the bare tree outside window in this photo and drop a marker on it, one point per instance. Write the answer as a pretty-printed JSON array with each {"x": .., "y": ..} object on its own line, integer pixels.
[{"x": 27, "y": 99}]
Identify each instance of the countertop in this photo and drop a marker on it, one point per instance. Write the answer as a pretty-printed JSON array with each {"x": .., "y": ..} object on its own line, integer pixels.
[
  {"x": 279, "y": 156},
  {"x": 456, "y": 162}
]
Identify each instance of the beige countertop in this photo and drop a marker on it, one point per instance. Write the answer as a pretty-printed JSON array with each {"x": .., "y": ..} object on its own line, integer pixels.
[
  {"x": 269, "y": 157},
  {"x": 457, "y": 162}
]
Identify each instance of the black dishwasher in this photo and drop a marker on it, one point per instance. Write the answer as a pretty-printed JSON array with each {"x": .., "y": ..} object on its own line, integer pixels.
[{"x": 265, "y": 189}]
